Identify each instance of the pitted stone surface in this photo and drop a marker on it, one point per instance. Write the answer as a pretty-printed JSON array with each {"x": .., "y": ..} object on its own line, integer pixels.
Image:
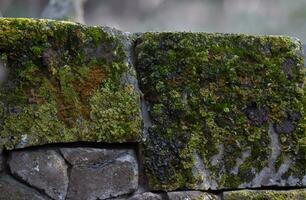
[
  {"x": 299, "y": 194},
  {"x": 222, "y": 111},
  {"x": 45, "y": 170},
  {"x": 10, "y": 189},
  {"x": 90, "y": 156},
  {"x": 146, "y": 196},
  {"x": 191, "y": 195},
  {"x": 104, "y": 180}
]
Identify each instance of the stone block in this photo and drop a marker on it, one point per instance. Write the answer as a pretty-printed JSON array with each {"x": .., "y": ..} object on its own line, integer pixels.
[
  {"x": 103, "y": 179},
  {"x": 45, "y": 170},
  {"x": 222, "y": 110},
  {"x": 65, "y": 82},
  {"x": 11, "y": 189},
  {"x": 265, "y": 194}
]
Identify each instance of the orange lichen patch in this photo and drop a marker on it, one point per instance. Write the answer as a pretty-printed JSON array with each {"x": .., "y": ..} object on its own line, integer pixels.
[
  {"x": 91, "y": 83},
  {"x": 69, "y": 110},
  {"x": 33, "y": 98}
]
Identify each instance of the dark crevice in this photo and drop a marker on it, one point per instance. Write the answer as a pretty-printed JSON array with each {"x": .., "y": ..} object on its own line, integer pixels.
[
  {"x": 164, "y": 196},
  {"x": 6, "y": 169},
  {"x": 69, "y": 167},
  {"x": 98, "y": 145},
  {"x": 142, "y": 179}
]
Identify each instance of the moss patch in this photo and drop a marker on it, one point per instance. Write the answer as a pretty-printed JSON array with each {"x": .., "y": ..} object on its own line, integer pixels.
[
  {"x": 65, "y": 84},
  {"x": 208, "y": 91},
  {"x": 265, "y": 194}
]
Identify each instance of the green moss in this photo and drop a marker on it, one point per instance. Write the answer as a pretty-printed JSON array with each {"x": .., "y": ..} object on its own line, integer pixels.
[
  {"x": 64, "y": 84},
  {"x": 206, "y": 90},
  {"x": 265, "y": 195}
]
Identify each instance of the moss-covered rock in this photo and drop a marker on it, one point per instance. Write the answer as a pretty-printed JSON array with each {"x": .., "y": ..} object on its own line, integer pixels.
[
  {"x": 66, "y": 82},
  {"x": 222, "y": 110},
  {"x": 265, "y": 195}
]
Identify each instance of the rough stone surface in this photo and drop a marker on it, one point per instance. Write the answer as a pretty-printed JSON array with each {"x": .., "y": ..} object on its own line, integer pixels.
[
  {"x": 191, "y": 195},
  {"x": 45, "y": 170},
  {"x": 144, "y": 196},
  {"x": 90, "y": 156},
  {"x": 222, "y": 110},
  {"x": 104, "y": 180},
  {"x": 66, "y": 82},
  {"x": 13, "y": 190},
  {"x": 265, "y": 194}
]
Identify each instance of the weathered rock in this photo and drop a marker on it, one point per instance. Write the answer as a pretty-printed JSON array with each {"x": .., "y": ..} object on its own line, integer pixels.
[
  {"x": 45, "y": 170},
  {"x": 191, "y": 195},
  {"x": 90, "y": 156},
  {"x": 102, "y": 181},
  {"x": 222, "y": 110},
  {"x": 13, "y": 190},
  {"x": 66, "y": 82},
  {"x": 145, "y": 196},
  {"x": 265, "y": 194}
]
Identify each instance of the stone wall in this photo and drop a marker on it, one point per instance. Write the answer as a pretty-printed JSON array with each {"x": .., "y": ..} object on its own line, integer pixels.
[{"x": 94, "y": 113}]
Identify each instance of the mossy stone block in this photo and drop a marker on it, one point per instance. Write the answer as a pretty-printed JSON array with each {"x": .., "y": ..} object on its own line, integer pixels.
[
  {"x": 265, "y": 195},
  {"x": 222, "y": 110},
  {"x": 65, "y": 82}
]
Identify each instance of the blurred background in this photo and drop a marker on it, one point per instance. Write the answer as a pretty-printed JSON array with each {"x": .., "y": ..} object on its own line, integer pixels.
[{"x": 277, "y": 17}]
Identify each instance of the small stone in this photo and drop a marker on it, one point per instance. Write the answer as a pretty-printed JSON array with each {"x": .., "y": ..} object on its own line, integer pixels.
[
  {"x": 265, "y": 194},
  {"x": 92, "y": 156},
  {"x": 45, "y": 170},
  {"x": 13, "y": 190},
  {"x": 146, "y": 196},
  {"x": 102, "y": 181},
  {"x": 191, "y": 195}
]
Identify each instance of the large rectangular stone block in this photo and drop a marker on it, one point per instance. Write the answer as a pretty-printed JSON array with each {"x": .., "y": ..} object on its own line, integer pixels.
[
  {"x": 65, "y": 82},
  {"x": 222, "y": 110}
]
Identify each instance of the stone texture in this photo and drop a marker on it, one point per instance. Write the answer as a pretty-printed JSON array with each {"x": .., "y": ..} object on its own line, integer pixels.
[
  {"x": 265, "y": 194},
  {"x": 65, "y": 83},
  {"x": 144, "y": 196},
  {"x": 90, "y": 156},
  {"x": 13, "y": 190},
  {"x": 104, "y": 180},
  {"x": 191, "y": 195},
  {"x": 45, "y": 170},
  {"x": 222, "y": 110}
]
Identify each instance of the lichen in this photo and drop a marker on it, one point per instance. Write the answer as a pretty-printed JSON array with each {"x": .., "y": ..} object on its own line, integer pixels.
[
  {"x": 204, "y": 90},
  {"x": 64, "y": 84},
  {"x": 265, "y": 194}
]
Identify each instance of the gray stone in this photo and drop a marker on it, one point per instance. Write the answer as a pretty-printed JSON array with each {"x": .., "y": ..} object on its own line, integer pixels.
[
  {"x": 13, "y": 190},
  {"x": 191, "y": 195},
  {"x": 146, "y": 196},
  {"x": 45, "y": 170},
  {"x": 92, "y": 156},
  {"x": 102, "y": 181}
]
